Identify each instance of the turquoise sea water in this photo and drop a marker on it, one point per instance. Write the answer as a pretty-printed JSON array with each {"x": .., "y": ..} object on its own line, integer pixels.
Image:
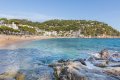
[{"x": 42, "y": 52}]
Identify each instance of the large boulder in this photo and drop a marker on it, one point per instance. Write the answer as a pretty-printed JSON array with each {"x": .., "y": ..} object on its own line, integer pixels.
[
  {"x": 7, "y": 76},
  {"x": 20, "y": 76},
  {"x": 97, "y": 62},
  {"x": 104, "y": 54},
  {"x": 101, "y": 63},
  {"x": 68, "y": 70},
  {"x": 115, "y": 57},
  {"x": 39, "y": 73},
  {"x": 114, "y": 71},
  {"x": 75, "y": 70}
]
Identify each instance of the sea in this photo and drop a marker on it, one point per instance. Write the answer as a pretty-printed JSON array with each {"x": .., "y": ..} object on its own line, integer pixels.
[{"x": 40, "y": 53}]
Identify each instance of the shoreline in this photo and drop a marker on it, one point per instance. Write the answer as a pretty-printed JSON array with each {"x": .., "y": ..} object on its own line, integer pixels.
[{"x": 7, "y": 40}]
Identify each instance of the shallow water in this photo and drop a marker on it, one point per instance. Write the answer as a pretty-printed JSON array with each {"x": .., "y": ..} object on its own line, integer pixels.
[{"x": 36, "y": 53}]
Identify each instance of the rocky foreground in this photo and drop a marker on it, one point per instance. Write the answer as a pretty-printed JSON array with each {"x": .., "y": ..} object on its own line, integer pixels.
[{"x": 102, "y": 66}]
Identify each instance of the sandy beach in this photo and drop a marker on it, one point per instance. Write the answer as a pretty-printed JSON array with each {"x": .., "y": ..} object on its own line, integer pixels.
[{"x": 6, "y": 40}]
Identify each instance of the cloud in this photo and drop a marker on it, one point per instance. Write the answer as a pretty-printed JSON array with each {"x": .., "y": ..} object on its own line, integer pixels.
[{"x": 27, "y": 15}]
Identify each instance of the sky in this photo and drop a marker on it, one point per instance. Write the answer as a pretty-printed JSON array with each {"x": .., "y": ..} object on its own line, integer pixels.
[{"x": 107, "y": 11}]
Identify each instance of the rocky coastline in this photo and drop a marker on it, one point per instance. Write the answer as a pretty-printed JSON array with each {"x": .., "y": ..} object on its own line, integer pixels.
[{"x": 103, "y": 66}]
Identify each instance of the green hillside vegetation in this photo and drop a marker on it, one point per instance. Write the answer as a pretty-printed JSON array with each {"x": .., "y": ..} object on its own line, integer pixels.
[
  {"x": 87, "y": 27},
  {"x": 7, "y": 30},
  {"x": 20, "y": 21},
  {"x": 27, "y": 30},
  {"x": 93, "y": 28}
]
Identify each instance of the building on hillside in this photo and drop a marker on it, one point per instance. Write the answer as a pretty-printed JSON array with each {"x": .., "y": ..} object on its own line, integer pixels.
[
  {"x": 13, "y": 25},
  {"x": 50, "y": 33}
]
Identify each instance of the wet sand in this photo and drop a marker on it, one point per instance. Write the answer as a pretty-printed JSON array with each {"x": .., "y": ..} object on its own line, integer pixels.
[{"x": 8, "y": 40}]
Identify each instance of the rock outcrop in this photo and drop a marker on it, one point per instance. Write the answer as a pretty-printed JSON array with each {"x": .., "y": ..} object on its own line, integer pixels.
[
  {"x": 115, "y": 57},
  {"x": 93, "y": 68},
  {"x": 75, "y": 70},
  {"x": 40, "y": 73},
  {"x": 105, "y": 67},
  {"x": 104, "y": 54},
  {"x": 20, "y": 76}
]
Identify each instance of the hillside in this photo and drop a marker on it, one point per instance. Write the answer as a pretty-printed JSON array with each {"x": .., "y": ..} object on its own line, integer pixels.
[
  {"x": 76, "y": 28},
  {"x": 87, "y": 28}
]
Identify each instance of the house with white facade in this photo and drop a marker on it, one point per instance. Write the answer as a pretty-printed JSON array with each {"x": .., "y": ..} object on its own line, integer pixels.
[{"x": 13, "y": 25}]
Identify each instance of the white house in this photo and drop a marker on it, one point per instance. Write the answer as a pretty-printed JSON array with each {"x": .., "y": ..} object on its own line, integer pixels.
[{"x": 13, "y": 25}]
